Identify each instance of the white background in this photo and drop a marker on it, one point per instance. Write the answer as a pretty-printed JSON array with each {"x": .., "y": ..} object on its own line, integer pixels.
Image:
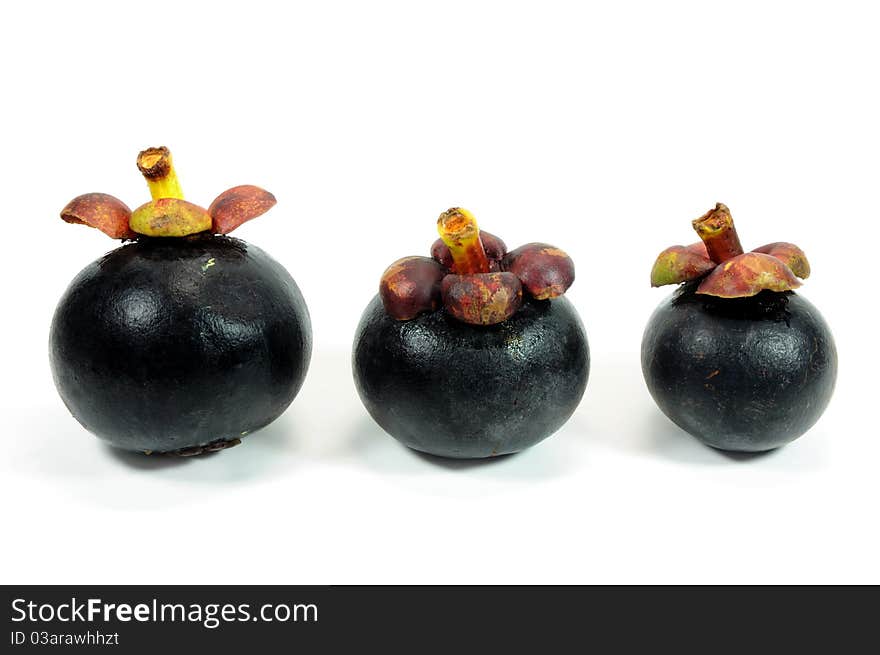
[{"x": 601, "y": 129}]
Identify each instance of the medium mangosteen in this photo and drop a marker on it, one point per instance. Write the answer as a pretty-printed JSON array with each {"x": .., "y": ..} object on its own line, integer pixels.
[
  {"x": 472, "y": 352},
  {"x": 735, "y": 357},
  {"x": 184, "y": 339}
]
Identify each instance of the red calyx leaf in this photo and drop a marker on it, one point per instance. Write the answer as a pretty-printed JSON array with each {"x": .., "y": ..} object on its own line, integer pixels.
[
  {"x": 411, "y": 286},
  {"x": 482, "y": 298},
  {"x": 544, "y": 270},
  {"x": 698, "y": 248},
  {"x": 790, "y": 255},
  {"x": 101, "y": 211},
  {"x": 495, "y": 249},
  {"x": 679, "y": 264},
  {"x": 748, "y": 274},
  {"x": 239, "y": 205}
]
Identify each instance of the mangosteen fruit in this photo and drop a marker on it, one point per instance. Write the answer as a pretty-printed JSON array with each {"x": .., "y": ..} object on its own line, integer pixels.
[
  {"x": 735, "y": 357},
  {"x": 183, "y": 340},
  {"x": 472, "y": 352}
]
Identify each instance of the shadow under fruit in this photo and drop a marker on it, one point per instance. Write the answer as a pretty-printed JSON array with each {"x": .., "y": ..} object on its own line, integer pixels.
[
  {"x": 474, "y": 352},
  {"x": 735, "y": 357},
  {"x": 184, "y": 340}
]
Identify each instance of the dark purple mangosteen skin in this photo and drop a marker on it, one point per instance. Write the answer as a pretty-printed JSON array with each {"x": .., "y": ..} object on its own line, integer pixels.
[
  {"x": 166, "y": 345},
  {"x": 745, "y": 374},
  {"x": 451, "y": 389}
]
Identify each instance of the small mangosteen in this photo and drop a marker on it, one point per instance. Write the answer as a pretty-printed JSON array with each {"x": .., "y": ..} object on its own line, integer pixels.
[
  {"x": 472, "y": 352},
  {"x": 183, "y": 340},
  {"x": 735, "y": 357}
]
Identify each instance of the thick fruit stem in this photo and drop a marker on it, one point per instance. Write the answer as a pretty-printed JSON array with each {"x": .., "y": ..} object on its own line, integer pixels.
[
  {"x": 718, "y": 233},
  {"x": 157, "y": 168},
  {"x": 459, "y": 231}
]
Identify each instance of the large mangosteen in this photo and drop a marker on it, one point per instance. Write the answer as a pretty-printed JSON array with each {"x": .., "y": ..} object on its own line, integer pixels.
[
  {"x": 735, "y": 357},
  {"x": 472, "y": 352},
  {"x": 184, "y": 339}
]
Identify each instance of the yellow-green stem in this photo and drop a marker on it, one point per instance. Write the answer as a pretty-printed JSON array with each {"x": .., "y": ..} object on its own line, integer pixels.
[
  {"x": 156, "y": 166},
  {"x": 459, "y": 231}
]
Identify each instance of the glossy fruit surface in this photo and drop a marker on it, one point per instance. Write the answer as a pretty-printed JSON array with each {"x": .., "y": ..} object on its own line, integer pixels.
[
  {"x": 745, "y": 374},
  {"x": 453, "y": 389},
  {"x": 172, "y": 345}
]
